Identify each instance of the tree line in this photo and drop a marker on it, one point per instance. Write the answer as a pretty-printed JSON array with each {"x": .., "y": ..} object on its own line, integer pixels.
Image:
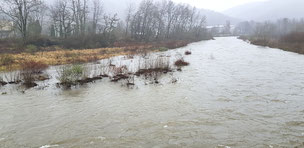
[
  {"x": 84, "y": 24},
  {"x": 286, "y": 34},
  {"x": 270, "y": 29}
]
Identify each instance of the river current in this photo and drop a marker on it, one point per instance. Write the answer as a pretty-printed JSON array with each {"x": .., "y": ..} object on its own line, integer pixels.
[{"x": 233, "y": 94}]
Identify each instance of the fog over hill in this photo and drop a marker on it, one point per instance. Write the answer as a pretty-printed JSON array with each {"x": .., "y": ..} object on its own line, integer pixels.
[
  {"x": 216, "y": 18},
  {"x": 120, "y": 6},
  {"x": 213, "y": 18},
  {"x": 268, "y": 10}
]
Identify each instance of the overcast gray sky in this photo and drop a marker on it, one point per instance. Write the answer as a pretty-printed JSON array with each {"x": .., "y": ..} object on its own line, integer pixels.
[{"x": 216, "y": 5}]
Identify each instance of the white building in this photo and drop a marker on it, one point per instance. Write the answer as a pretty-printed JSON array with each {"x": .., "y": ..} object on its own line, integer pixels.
[
  {"x": 220, "y": 30},
  {"x": 6, "y": 29}
]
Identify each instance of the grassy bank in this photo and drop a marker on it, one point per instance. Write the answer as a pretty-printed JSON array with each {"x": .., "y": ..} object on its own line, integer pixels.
[
  {"x": 14, "y": 61},
  {"x": 287, "y": 43}
]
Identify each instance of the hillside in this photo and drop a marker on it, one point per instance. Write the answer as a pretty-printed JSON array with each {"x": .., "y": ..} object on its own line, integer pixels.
[
  {"x": 119, "y": 7},
  {"x": 213, "y": 18},
  {"x": 216, "y": 18},
  {"x": 268, "y": 10}
]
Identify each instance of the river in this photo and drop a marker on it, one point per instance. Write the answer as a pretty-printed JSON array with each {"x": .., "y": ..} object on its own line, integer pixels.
[{"x": 233, "y": 94}]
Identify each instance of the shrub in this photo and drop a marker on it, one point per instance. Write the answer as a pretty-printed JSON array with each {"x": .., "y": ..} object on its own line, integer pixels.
[
  {"x": 260, "y": 42},
  {"x": 163, "y": 49},
  {"x": 34, "y": 67},
  {"x": 80, "y": 42},
  {"x": 6, "y": 60},
  {"x": 29, "y": 71},
  {"x": 244, "y": 38},
  {"x": 41, "y": 41},
  {"x": 175, "y": 44},
  {"x": 181, "y": 62},
  {"x": 294, "y": 37},
  {"x": 154, "y": 68},
  {"x": 119, "y": 73},
  {"x": 31, "y": 48},
  {"x": 157, "y": 63},
  {"x": 188, "y": 53},
  {"x": 69, "y": 75},
  {"x": 119, "y": 70},
  {"x": 28, "y": 78}
]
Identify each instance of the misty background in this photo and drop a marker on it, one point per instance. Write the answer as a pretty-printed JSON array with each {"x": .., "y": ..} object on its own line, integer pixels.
[
  {"x": 63, "y": 23},
  {"x": 269, "y": 10}
]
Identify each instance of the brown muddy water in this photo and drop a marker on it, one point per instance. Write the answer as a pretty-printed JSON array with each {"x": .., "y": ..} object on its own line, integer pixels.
[{"x": 233, "y": 94}]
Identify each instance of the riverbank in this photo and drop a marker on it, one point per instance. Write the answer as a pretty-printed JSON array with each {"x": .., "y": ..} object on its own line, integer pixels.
[
  {"x": 14, "y": 61},
  {"x": 297, "y": 47}
]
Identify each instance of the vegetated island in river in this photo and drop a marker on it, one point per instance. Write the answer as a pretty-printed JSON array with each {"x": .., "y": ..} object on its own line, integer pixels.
[{"x": 147, "y": 66}]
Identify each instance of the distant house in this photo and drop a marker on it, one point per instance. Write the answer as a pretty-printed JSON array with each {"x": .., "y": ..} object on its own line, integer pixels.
[
  {"x": 6, "y": 29},
  {"x": 221, "y": 30}
]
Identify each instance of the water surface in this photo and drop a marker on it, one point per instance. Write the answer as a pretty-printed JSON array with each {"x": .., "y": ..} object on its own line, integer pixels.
[{"x": 233, "y": 94}]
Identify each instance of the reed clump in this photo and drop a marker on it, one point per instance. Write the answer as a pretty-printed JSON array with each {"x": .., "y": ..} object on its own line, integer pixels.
[
  {"x": 70, "y": 75},
  {"x": 154, "y": 68}
]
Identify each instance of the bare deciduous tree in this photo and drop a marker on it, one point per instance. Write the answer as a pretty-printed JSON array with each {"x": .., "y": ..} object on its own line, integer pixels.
[
  {"x": 110, "y": 23},
  {"x": 80, "y": 13},
  {"x": 77, "y": 26},
  {"x": 166, "y": 20},
  {"x": 19, "y": 11},
  {"x": 129, "y": 12},
  {"x": 62, "y": 18},
  {"x": 97, "y": 12}
]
